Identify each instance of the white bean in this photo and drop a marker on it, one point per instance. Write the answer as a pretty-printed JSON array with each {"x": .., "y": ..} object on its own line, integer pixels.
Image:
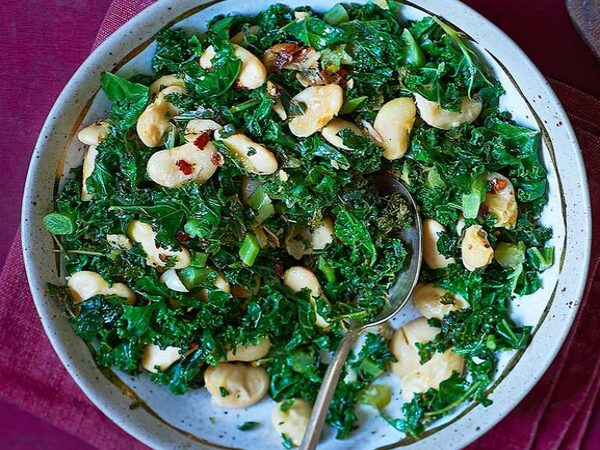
[
  {"x": 93, "y": 134},
  {"x": 86, "y": 284},
  {"x": 177, "y": 166},
  {"x": 253, "y": 73},
  {"x": 476, "y": 249},
  {"x": 154, "y": 357},
  {"x": 298, "y": 278},
  {"x": 154, "y": 122},
  {"x": 414, "y": 376},
  {"x": 435, "y": 302},
  {"x": 251, "y": 352},
  {"x": 293, "y": 421},
  {"x": 394, "y": 122},
  {"x": 431, "y": 234},
  {"x": 236, "y": 385},
  {"x": 433, "y": 114},
  {"x": 255, "y": 158},
  {"x": 303, "y": 241},
  {"x": 238, "y": 38},
  {"x": 321, "y": 104},
  {"x": 89, "y": 163},
  {"x": 330, "y": 132},
  {"x": 501, "y": 201},
  {"x": 157, "y": 257}
]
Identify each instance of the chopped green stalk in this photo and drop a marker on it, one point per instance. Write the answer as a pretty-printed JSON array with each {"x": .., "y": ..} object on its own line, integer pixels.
[
  {"x": 353, "y": 104},
  {"x": 412, "y": 52},
  {"x": 249, "y": 249},
  {"x": 60, "y": 223},
  {"x": 510, "y": 255},
  {"x": 336, "y": 15},
  {"x": 192, "y": 277},
  {"x": 262, "y": 204},
  {"x": 377, "y": 395},
  {"x": 327, "y": 270},
  {"x": 199, "y": 259},
  {"x": 543, "y": 259},
  {"x": 472, "y": 201}
]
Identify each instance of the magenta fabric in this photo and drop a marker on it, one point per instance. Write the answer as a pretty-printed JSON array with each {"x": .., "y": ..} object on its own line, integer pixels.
[{"x": 559, "y": 413}]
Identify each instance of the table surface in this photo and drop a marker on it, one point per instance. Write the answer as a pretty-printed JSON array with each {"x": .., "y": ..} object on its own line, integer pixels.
[{"x": 44, "y": 41}]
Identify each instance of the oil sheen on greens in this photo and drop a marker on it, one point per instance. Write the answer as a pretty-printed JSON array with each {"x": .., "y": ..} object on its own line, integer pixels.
[{"x": 385, "y": 59}]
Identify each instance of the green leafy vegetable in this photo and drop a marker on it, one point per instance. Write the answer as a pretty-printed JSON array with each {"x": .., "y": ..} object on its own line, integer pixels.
[{"x": 230, "y": 290}]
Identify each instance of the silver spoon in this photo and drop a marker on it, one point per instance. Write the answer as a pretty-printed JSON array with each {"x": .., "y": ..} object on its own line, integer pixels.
[{"x": 399, "y": 294}]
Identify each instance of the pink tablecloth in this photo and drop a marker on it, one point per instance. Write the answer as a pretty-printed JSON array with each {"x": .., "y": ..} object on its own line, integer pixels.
[{"x": 554, "y": 415}]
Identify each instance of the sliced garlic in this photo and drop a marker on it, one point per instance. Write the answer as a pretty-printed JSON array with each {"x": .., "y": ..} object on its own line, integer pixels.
[
  {"x": 85, "y": 284},
  {"x": 253, "y": 73},
  {"x": 172, "y": 281},
  {"x": 431, "y": 234},
  {"x": 157, "y": 257},
  {"x": 236, "y": 385},
  {"x": 154, "y": 357},
  {"x": 501, "y": 201},
  {"x": 330, "y": 132},
  {"x": 153, "y": 123},
  {"x": 476, "y": 249},
  {"x": 303, "y": 241},
  {"x": 321, "y": 104},
  {"x": 166, "y": 81},
  {"x": 433, "y": 114},
  {"x": 394, "y": 122},
  {"x": 255, "y": 158},
  {"x": 435, "y": 302},
  {"x": 196, "y": 127},
  {"x": 293, "y": 421},
  {"x": 279, "y": 109},
  {"x": 118, "y": 241},
  {"x": 251, "y": 352},
  {"x": 414, "y": 376},
  {"x": 177, "y": 166},
  {"x": 298, "y": 278}
]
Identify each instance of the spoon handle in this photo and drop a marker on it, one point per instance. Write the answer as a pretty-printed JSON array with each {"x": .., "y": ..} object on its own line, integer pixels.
[{"x": 321, "y": 406}]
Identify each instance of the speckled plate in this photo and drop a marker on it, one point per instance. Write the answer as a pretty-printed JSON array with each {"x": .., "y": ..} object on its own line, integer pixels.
[{"x": 162, "y": 420}]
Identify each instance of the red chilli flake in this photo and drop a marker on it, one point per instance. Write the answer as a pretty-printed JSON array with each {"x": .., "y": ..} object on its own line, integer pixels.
[
  {"x": 498, "y": 184},
  {"x": 185, "y": 167},
  {"x": 182, "y": 236},
  {"x": 217, "y": 159},
  {"x": 202, "y": 141}
]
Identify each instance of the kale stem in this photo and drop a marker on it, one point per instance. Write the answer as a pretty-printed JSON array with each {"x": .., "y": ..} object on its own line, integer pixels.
[
  {"x": 61, "y": 248},
  {"x": 455, "y": 403}
]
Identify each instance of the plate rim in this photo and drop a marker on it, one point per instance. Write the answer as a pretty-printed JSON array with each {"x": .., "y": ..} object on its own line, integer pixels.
[{"x": 97, "y": 58}]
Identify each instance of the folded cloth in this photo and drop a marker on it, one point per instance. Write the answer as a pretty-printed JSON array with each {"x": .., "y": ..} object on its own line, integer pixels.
[{"x": 555, "y": 414}]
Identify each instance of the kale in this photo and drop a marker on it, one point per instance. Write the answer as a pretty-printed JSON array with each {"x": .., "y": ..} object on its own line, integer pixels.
[
  {"x": 237, "y": 224},
  {"x": 128, "y": 100},
  {"x": 172, "y": 49}
]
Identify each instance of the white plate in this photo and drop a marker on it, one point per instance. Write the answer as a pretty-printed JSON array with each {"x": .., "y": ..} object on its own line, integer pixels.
[{"x": 167, "y": 421}]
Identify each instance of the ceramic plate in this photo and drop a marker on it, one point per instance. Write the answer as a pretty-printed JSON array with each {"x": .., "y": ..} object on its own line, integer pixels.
[{"x": 162, "y": 420}]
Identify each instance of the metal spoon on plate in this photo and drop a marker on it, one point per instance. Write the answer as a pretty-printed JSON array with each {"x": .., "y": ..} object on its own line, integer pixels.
[{"x": 399, "y": 294}]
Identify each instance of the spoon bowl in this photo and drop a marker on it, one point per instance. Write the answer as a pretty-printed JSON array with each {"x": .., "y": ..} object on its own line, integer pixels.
[{"x": 398, "y": 296}]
